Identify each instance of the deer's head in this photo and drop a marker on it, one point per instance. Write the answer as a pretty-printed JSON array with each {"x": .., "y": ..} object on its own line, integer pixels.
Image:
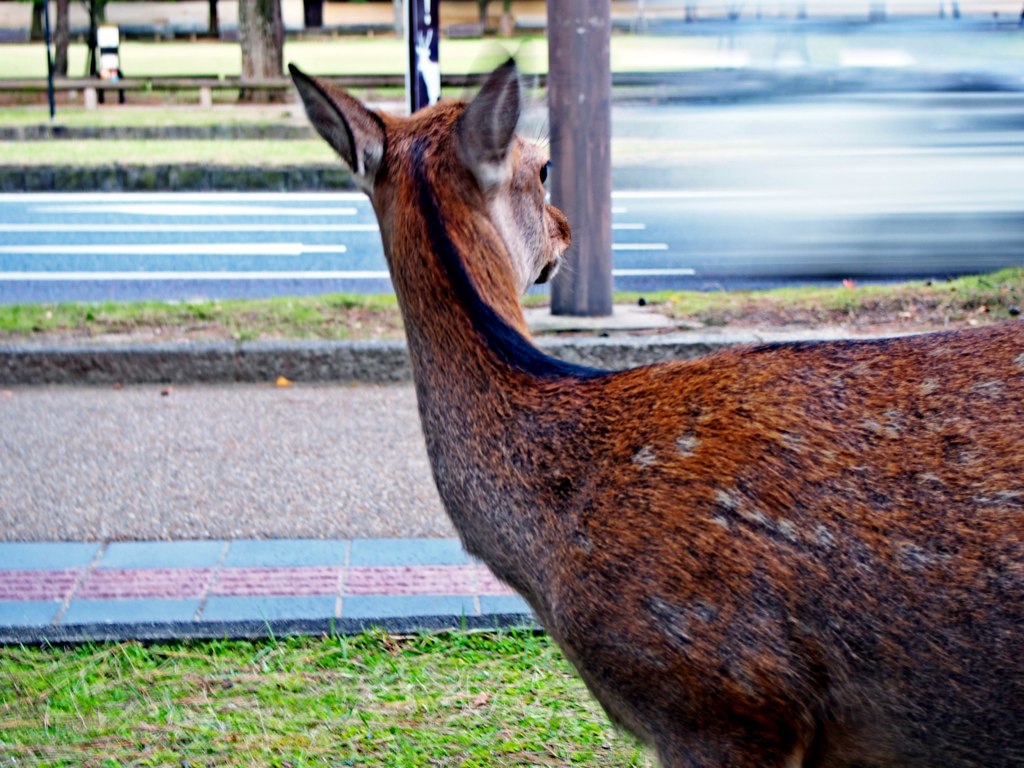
[{"x": 479, "y": 159}]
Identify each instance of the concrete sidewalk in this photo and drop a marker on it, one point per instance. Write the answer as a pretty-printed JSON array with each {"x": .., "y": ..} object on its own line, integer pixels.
[
  {"x": 156, "y": 511},
  {"x": 74, "y": 592}
]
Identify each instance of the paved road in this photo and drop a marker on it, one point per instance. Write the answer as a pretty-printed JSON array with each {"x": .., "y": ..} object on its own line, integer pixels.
[
  {"x": 738, "y": 195},
  {"x": 130, "y": 246},
  {"x": 236, "y": 461}
]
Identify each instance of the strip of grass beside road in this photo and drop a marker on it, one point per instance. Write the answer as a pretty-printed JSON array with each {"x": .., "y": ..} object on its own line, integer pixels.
[
  {"x": 899, "y": 307},
  {"x": 458, "y": 698},
  {"x": 245, "y": 153}
]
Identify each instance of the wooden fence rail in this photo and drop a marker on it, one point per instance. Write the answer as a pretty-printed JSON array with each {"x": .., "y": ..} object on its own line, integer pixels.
[{"x": 206, "y": 85}]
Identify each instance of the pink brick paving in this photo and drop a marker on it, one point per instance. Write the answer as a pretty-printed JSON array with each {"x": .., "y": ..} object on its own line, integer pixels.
[
  {"x": 166, "y": 583},
  {"x": 38, "y": 585},
  {"x": 489, "y": 584},
  {"x": 249, "y": 582},
  {"x": 411, "y": 580}
]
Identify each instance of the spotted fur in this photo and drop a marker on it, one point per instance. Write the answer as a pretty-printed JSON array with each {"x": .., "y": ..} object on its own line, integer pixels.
[{"x": 784, "y": 555}]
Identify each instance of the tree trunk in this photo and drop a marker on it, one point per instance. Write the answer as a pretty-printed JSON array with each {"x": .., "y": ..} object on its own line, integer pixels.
[
  {"x": 90, "y": 62},
  {"x": 399, "y": 7},
  {"x": 261, "y": 33},
  {"x": 213, "y": 27},
  {"x": 36, "y": 30},
  {"x": 313, "y": 13},
  {"x": 61, "y": 37}
]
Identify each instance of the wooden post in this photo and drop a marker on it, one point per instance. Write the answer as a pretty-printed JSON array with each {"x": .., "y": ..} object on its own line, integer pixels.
[
  {"x": 49, "y": 61},
  {"x": 579, "y": 99}
]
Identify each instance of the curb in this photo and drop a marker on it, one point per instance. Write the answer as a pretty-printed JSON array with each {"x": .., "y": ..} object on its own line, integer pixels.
[
  {"x": 359, "y": 361},
  {"x": 155, "y": 632},
  {"x": 368, "y": 361},
  {"x": 175, "y": 178}
]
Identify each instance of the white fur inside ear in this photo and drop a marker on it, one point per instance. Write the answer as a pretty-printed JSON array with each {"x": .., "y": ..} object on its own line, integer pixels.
[{"x": 490, "y": 175}]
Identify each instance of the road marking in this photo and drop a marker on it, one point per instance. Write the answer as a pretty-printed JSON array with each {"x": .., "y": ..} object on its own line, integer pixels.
[
  {"x": 198, "y": 209},
  {"x": 23, "y": 277},
  {"x": 175, "y": 249},
  {"x": 188, "y": 227},
  {"x": 686, "y": 194},
  {"x": 639, "y": 246},
  {"x": 681, "y": 271}
]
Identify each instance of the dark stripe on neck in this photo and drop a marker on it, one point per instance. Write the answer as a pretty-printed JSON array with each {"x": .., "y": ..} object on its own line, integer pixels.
[{"x": 505, "y": 342}]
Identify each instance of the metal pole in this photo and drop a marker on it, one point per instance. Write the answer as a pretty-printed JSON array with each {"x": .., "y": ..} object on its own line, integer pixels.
[
  {"x": 49, "y": 60},
  {"x": 423, "y": 70},
  {"x": 579, "y": 98}
]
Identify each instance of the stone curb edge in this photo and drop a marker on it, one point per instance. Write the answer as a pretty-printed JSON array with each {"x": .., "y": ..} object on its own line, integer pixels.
[
  {"x": 369, "y": 361},
  {"x": 184, "y": 177},
  {"x": 156, "y": 632}
]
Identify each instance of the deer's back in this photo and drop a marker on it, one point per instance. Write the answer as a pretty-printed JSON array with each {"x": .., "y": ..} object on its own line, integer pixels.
[{"x": 832, "y": 531}]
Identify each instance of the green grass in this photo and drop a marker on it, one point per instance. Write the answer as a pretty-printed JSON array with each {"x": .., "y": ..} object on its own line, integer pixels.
[
  {"x": 972, "y": 300},
  {"x": 362, "y": 55},
  {"x": 912, "y": 306},
  {"x": 92, "y": 152},
  {"x": 134, "y": 115},
  {"x": 468, "y": 699},
  {"x": 244, "y": 152},
  {"x": 344, "y": 56},
  {"x": 336, "y": 316},
  {"x": 386, "y": 54}
]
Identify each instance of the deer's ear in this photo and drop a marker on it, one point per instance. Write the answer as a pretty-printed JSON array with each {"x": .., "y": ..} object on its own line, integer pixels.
[
  {"x": 487, "y": 126},
  {"x": 355, "y": 133}
]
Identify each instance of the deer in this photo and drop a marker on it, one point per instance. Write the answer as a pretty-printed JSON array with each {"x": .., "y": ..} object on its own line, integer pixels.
[{"x": 777, "y": 555}]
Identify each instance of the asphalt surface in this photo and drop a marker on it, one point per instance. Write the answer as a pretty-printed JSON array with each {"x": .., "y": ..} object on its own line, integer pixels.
[
  {"x": 737, "y": 196},
  {"x": 201, "y": 462}
]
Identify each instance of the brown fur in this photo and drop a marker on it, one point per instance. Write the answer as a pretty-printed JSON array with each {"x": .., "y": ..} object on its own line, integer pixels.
[{"x": 788, "y": 555}]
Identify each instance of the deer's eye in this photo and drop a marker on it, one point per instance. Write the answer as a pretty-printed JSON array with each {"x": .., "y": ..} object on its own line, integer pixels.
[{"x": 544, "y": 172}]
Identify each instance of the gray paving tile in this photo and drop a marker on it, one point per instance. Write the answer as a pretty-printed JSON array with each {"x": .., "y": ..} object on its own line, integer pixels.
[
  {"x": 162, "y": 554},
  {"x": 129, "y": 611},
  {"x": 407, "y": 552},
  {"x": 27, "y": 613},
  {"x": 285, "y": 552},
  {"x": 268, "y": 608},
  {"x": 45, "y": 555},
  {"x": 389, "y": 606},
  {"x": 504, "y": 604}
]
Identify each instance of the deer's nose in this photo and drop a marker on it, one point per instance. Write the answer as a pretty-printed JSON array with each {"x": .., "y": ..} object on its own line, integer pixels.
[{"x": 558, "y": 230}]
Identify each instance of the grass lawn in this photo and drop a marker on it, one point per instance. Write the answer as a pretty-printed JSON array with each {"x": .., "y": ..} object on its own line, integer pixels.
[
  {"x": 467, "y": 699},
  {"x": 386, "y": 54},
  {"x": 362, "y": 55},
  {"x": 136, "y": 115},
  {"x": 966, "y": 301},
  {"x": 902, "y": 307},
  {"x": 239, "y": 152}
]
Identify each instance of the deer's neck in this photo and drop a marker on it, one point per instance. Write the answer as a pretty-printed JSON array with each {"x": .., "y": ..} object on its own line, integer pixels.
[{"x": 486, "y": 394}]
